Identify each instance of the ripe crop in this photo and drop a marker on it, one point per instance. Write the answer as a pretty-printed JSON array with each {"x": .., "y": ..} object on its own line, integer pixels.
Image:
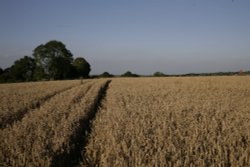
[
  {"x": 17, "y": 99},
  {"x": 47, "y": 134},
  {"x": 183, "y": 121},
  {"x": 173, "y": 122}
]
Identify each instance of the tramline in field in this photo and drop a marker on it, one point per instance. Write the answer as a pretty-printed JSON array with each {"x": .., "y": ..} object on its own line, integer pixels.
[
  {"x": 46, "y": 134},
  {"x": 173, "y": 122},
  {"x": 183, "y": 121},
  {"x": 17, "y": 99}
]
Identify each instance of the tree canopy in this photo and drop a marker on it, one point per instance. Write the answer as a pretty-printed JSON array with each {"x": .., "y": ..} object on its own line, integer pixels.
[
  {"x": 106, "y": 75},
  {"x": 129, "y": 74},
  {"x": 50, "y": 61},
  {"x": 53, "y": 60},
  {"x": 23, "y": 69},
  {"x": 82, "y": 67},
  {"x": 159, "y": 74}
]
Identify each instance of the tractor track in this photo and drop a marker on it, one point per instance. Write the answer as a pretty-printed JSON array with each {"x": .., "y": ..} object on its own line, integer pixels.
[
  {"x": 18, "y": 116},
  {"x": 79, "y": 138}
]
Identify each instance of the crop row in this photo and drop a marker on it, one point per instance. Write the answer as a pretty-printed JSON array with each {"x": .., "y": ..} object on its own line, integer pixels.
[
  {"x": 17, "y": 99},
  {"x": 173, "y": 122},
  {"x": 47, "y": 135}
]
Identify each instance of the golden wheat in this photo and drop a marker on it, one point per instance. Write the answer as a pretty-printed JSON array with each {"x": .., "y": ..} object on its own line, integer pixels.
[
  {"x": 203, "y": 121},
  {"x": 16, "y": 98},
  {"x": 46, "y": 133},
  {"x": 196, "y": 121}
]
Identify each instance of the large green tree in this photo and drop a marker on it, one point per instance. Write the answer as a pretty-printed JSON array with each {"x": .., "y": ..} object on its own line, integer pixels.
[
  {"x": 53, "y": 61},
  {"x": 23, "y": 69},
  {"x": 82, "y": 67}
]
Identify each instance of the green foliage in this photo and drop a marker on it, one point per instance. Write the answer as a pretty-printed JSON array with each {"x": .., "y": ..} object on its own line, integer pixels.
[
  {"x": 39, "y": 74},
  {"x": 23, "y": 69},
  {"x": 82, "y": 67},
  {"x": 50, "y": 61},
  {"x": 129, "y": 74},
  {"x": 59, "y": 68},
  {"x": 5, "y": 76},
  {"x": 159, "y": 74},
  {"x": 106, "y": 75},
  {"x": 54, "y": 60}
]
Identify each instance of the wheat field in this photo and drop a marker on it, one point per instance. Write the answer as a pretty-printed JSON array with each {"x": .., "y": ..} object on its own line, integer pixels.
[{"x": 174, "y": 121}]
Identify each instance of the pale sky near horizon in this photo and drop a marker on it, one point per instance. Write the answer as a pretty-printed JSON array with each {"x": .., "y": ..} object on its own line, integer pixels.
[{"x": 143, "y": 36}]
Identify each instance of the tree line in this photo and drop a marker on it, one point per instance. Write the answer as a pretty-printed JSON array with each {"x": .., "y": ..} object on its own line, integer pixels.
[
  {"x": 50, "y": 61},
  {"x": 53, "y": 61}
]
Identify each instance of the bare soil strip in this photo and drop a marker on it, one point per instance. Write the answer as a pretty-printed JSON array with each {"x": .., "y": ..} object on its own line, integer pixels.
[
  {"x": 79, "y": 137},
  {"x": 17, "y": 116}
]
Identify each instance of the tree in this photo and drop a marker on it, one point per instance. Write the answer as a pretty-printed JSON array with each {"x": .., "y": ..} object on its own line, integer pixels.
[
  {"x": 5, "y": 76},
  {"x": 106, "y": 75},
  {"x": 129, "y": 74},
  {"x": 159, "y": 74},
  {"x": 53, "y": 60},
  {"x": 82, "y": 67},
  {"x": 39, "y": 74},
  {"x": 60, "y": 68},
  {"x": 23, "y": 69}
]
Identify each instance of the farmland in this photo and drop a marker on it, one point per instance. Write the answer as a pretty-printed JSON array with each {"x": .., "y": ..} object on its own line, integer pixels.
[{"x": 183, "y": 121}]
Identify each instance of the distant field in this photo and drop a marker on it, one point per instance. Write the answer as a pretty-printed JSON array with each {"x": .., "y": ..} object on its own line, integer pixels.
[{"x": 183, "y": 121}]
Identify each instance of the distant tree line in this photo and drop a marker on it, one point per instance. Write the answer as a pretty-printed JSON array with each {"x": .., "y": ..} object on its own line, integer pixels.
[
  {"x": 216, "y": 74},
  {"x": 108, "y": 75},
  {"x": 129, "y": 74},
  {"x": 50, "y": 61},
  {"x": 161, "y": 74},
  {"x": 53, "y": 61}
]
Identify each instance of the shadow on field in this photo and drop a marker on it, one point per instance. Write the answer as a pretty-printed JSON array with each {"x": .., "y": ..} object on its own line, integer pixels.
[{"x": 79, "y": 139}]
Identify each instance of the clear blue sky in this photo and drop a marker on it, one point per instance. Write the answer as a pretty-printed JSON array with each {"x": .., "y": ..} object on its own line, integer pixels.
[{"x": 143, "y": 36}]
